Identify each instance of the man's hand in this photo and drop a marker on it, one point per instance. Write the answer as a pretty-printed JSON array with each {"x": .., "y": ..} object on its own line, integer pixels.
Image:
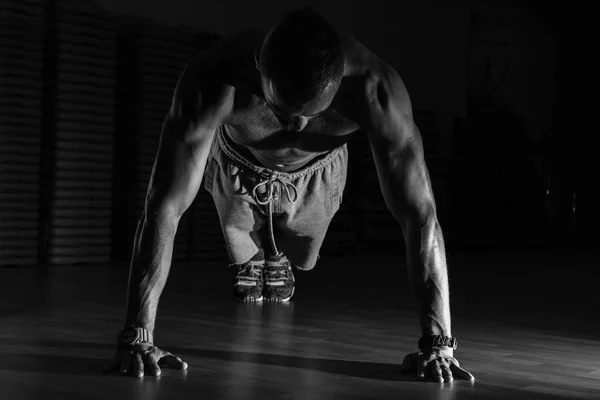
[
  {"x": 438, "y": 364},
  {"x": 140, "y": 360}
]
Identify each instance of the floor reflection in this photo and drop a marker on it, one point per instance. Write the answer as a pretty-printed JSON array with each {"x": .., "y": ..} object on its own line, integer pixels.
[
  {"x": 258, "y": 326},
  {"x": 332, "y": 341}
]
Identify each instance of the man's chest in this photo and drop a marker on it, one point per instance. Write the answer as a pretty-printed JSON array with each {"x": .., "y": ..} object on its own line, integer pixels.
[{"x": 253, "y": 124}]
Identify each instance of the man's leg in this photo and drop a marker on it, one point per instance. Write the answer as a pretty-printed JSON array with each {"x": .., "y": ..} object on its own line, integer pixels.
[
  {"x": 301, "y": 220},
  {"x": 294, "y": 226},
  {"x": 302, "y": 229},
  {"x": 242, "y": 226}
]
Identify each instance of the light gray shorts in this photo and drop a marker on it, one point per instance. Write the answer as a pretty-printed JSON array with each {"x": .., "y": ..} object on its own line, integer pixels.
[{"x": 260, "y": 208}]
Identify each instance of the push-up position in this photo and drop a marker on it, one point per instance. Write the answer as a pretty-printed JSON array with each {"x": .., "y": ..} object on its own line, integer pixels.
[{"x": 265, "y": 120}]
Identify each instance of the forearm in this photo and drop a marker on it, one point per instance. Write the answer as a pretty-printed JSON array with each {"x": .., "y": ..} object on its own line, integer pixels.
[
  {"x": 426, "y": 258},
  {"x": 150, "y": 265}
]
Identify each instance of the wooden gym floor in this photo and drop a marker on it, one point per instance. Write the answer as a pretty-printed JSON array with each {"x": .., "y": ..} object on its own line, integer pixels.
[{"x": 528, "y": 328}]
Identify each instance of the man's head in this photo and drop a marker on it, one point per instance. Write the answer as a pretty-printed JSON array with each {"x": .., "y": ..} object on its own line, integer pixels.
[{"x": 301, "y": 63}]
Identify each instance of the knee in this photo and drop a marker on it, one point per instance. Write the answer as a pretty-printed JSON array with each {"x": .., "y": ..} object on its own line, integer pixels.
[
  {"x": 307, "y": 267},
  {"x": 304, "y": 267}
]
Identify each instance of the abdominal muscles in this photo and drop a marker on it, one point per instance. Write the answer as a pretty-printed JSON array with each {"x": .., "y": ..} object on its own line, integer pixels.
[{"x": 285, "y": 160}]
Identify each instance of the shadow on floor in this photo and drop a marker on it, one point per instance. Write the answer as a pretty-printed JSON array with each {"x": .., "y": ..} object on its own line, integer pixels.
[
  {"x": 92, "y": 366},
  {"x": 357, "y": 369}
]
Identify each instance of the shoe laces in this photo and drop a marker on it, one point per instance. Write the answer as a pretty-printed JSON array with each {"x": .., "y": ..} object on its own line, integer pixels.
[
  {"x": 252, "y": 270},
  {"x": 277, "y": 271}
]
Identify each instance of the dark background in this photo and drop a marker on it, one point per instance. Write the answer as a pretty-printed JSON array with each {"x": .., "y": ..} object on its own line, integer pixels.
[{"x": 85, "y": 85}]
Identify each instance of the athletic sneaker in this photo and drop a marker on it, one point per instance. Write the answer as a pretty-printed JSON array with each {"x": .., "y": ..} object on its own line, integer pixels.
[
  {"x": 248, "y": 283},
  {"x": 279, "y": 279}
]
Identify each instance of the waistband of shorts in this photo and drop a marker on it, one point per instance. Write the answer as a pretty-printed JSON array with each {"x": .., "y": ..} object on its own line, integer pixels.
[{"x": 227, "y": 147}]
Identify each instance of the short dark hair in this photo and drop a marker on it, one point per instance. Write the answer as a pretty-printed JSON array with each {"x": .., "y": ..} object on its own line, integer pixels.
[{"x": 301, "y": 55}]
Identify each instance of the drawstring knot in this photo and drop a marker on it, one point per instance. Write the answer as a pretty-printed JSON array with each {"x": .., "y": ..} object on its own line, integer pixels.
[{"x": 269, "y": 183}]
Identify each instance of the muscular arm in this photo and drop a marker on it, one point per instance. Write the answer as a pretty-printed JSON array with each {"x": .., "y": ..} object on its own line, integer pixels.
[
  {"x": 398, "y": 152},
  {"x": 185, "y": 142},
  {"x": 175, "y": 180}
]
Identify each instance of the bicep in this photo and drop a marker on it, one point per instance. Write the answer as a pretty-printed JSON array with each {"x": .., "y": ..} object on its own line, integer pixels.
[
  {"x": 185, "y": 141},
  {"x": 397, "y": 148},
  {"x": 404, "y": 177},
  {"x": 179, "y": 166},
  {"x": 416, "y": 195}
]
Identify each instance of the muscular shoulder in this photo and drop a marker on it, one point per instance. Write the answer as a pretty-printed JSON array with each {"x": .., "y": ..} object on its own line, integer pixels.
[
  {"x": 221, "y": 62},
  {"x": 383, "y": 93},
  {"x": 386, "y": 90},
  {"x": 385, "y": 105},
  {"x": 214, "y": 73}
]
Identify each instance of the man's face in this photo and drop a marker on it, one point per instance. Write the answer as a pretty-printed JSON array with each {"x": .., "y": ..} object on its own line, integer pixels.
[{"x": 296, "y": 116}]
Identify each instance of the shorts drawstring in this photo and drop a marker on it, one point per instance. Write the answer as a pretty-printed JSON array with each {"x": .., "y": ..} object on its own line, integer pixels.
[
  {"x": 270, "y": 178},
  {"x": 269, "y": 181}
]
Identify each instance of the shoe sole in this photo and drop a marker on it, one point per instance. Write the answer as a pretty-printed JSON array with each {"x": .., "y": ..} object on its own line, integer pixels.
[
  {"x": 278, "y": 300},
  {"x": 249, "y": 299}
]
